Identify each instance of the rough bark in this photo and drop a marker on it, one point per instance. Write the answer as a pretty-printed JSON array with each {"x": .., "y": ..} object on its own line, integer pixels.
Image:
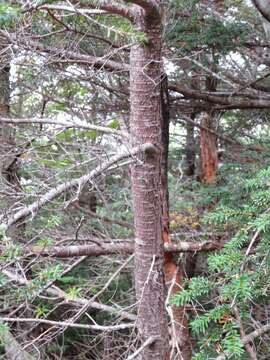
[
  {"x": 209, "y": 153},
  {"x": 208, "y": 140},
  {"x": 145, "y": 80}
]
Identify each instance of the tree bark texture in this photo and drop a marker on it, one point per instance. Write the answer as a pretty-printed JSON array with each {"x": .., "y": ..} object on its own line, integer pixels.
[
  {"x": 145, "y": 90},
  {"x": 209, "y": 154}
]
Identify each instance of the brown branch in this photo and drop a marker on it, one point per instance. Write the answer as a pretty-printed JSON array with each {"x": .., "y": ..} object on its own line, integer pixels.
[
  {"x": 249, "y": 338},
  {"x": 248, "y": 347},
  {"x": 110, "y": 248},
  {"x": 253, "y": 335},
  {"x": 226, "y": 103}
]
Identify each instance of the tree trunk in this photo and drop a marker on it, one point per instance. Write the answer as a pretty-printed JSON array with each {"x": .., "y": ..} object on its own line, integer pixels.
[
  {"x": 209, "y": 153},
  {"x": 180, "y": 344},
  {"x": 145, "y": 83},
  {"x": 208, "y": 140},
  {"x": 10, "y": 183},
  {"x": 190, "y": 148}
]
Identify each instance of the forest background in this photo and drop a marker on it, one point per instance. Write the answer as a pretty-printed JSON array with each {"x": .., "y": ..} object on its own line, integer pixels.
[{"x": 134, "y": 179}]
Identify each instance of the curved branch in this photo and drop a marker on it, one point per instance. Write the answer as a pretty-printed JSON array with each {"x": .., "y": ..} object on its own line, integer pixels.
[
  {"x": 150, "y": 7},
  {"x": 75, "y": 183},
  {"x": 64, "y": 123},
  {"x": 263, "y": 7}
]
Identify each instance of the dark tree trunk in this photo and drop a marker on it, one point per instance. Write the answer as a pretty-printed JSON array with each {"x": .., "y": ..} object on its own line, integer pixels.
[
  {"x": 145, "y": 83},
  {"x": 190, "y": 148}
]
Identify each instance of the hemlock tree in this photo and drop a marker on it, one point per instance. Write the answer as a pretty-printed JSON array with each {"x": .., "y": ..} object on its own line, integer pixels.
[{"x": 78, "y": 130}]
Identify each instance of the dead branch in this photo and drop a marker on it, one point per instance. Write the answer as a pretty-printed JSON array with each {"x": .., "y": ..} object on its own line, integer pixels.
[
  {"x": 111, "y": 248},
  {"x": 77, "y": 183},
  {"x": 69, "y": 324}
]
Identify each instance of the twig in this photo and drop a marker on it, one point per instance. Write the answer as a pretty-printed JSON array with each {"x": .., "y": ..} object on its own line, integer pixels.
[{"x": 148, "y": 342}]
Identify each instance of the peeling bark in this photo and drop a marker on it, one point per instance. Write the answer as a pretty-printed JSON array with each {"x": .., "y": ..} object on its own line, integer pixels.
[{"x": 209, "y": 153}]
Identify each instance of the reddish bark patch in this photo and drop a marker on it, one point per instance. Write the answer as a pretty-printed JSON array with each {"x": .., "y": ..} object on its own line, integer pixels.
[{"x": 209, "y": 154}]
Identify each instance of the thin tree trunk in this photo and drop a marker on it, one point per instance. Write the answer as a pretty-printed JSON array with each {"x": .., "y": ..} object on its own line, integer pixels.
[
  {"x": 9, "y": 181},
  {"x": 208, "y": 140},
  {"x": 145, "y": 83},
  {"x": 173, "y": 274},
  {"x": 190, "y": 148},
  {"x": 209, "y": 153}
]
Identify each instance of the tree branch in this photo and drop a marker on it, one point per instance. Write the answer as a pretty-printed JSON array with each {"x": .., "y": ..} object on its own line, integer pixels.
[
  {"x": 227, "y": 103},
  {"x": 149, "y": 6},
  {"x": 69, "y": 324},
  {"x": 55, "y": 291},
  {"x": 114, "y": 246},
  {"x": 102, "y": 8},
  {"x": 249, "y": 338},
  {"x": 263, "y": 7},
  {"x": 64, "y": 55},
  {"x": 65, "y": 123},
  {"x": 75, "y": 183},
  {"x": 148, "y": 342}
]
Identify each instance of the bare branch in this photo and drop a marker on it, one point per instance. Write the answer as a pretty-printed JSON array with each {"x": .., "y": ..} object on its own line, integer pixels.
[
  {"x": 114, "y": 246},
  {"x": 105, "y": 218},
  {"x": 249, "y": 338},
  {"x": 263, "y": 7},
  {"x": 248, "y": 347},
  {"x": 64, "y": 55},
  {"x": 68, "y": 324},
  {"x": 226, "y": 103},
  {"x": 148, "y": 342},
  {"x": 64, "y": 123},
  {"x": 55, "y": 291},
  {"x": 75, "y": 183},
  {"x": 102, "y": 8}
]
